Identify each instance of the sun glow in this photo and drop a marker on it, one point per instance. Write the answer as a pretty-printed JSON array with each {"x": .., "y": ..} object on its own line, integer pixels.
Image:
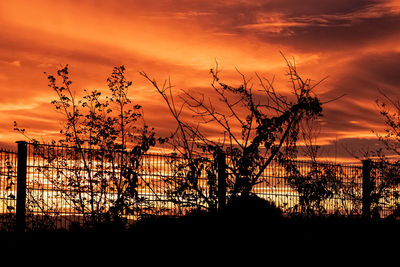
[{"x": 182, "y": 43}]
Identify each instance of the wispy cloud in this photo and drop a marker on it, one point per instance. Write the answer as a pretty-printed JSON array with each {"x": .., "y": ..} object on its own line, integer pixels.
[
  {"x": 355, "y": 43},
  {"x": 285, "y": 22}
]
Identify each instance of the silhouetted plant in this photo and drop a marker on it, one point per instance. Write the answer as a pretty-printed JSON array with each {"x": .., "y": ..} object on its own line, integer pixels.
[
  {"x": 97, "y": 162},
  {"x": 384, "y": 186},
  {"x": 385, "y": 172},
  {"x": 255, "y": 127},
  {"x": 252, "y": 208},
  {"x": 323, "y": 187},
  {"x": 320, "y": 186},
  {"x": 192, "y": 183},
  {"x": 8, "y": 174}
]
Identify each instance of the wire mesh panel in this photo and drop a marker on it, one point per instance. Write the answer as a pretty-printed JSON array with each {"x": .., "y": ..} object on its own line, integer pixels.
[
  {"x": 67, "y": 185},
  {"x": 177, "y": 185},
  {"x": 70, "y": 185},
  {"x": 384, "y": 189},
  {"x": 312, "y": 188},
  {"x": 273, "y": 186},
  {"x": 51, "y": 193},
  {"x": 8, "y": 190}
]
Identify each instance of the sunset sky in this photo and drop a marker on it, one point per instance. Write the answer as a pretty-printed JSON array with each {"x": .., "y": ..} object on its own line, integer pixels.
[{"x": 355, "y": 43}]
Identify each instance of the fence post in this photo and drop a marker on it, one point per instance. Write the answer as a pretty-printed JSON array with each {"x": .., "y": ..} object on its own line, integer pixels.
[
  {"x": 221, "y": 163},
  {"x": 366, "y": 188},
  {"x": 21, "y": 186}
]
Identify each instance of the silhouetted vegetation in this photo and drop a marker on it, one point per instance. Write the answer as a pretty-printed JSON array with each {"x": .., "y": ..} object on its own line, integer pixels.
[
  {"x": 227, "y": 236},
  {"x": 96, "y": 161},
  {"x": 385, "y": 180},
  {"x": 97, "y": 168},
  {"x": 255, "y": 128}
]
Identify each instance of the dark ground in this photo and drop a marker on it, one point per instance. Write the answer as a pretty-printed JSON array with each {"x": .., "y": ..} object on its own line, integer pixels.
[
  {"x": 240, "y": 236},
  {"x": 206, "y": 237}
]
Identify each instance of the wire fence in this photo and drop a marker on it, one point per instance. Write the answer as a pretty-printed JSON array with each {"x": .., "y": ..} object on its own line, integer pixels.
[
  {"x": 67, "y": 186},
  {"x": 8, "y": 189},
  {"x": 315, "y": 188}
]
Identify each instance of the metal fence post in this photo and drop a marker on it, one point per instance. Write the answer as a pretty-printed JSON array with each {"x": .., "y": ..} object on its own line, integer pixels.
[
  {"x": 366, "y": 188},
  {"x": 21, "y": 186},
  {"x": 221, "y": 163}
]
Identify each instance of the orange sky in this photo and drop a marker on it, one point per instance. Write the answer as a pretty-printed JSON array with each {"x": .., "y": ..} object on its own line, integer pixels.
[{"x": 356, "y": 43}]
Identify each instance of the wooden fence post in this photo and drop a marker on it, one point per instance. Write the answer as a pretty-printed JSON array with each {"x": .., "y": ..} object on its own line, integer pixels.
[
  {"x": 221, "y": 163},
  {"x": 21, "y": 186},
  {"x": 366, "y": 188}
]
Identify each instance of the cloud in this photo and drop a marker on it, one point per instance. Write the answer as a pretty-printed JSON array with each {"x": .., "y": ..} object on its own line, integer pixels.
[
  {"x": 312, "y": 25},
  {"x": 360, "y": 80},
  {"x": 354, "y": 42},
  {"x": 349, "y": 149},
  {"x": 16, "y": 63},
  {"x": 383, "y": 68},
  {"x": 332, "y": 30}
]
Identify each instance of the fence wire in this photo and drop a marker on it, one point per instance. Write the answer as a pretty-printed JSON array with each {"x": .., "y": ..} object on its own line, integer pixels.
[
  {"x": 8, "y": 188},
  {"x": 68, "y": 186}
]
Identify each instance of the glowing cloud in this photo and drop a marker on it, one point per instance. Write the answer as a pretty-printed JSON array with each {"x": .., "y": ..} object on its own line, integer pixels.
[{"x": 355, "y": 43}]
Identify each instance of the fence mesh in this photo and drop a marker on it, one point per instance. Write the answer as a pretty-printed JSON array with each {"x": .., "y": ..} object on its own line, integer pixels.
[
  {"x": 384, "y": 188},
  {"x": 8, "y": 189},
  {"x": 315, "y": 188},
  {"x": 67, "y": 185}
]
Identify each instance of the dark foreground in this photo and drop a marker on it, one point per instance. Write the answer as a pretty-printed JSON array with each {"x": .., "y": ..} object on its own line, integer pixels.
[
  {"x": 247, "y": 231},
  {"x": 210, "y": 237}
]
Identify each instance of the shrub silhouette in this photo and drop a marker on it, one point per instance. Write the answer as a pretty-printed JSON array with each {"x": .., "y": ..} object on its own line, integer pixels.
[
  {"x": 101, "y": 148},
  {"x": 254, "y": 128},
  {"x": 252, "y": 207}
]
